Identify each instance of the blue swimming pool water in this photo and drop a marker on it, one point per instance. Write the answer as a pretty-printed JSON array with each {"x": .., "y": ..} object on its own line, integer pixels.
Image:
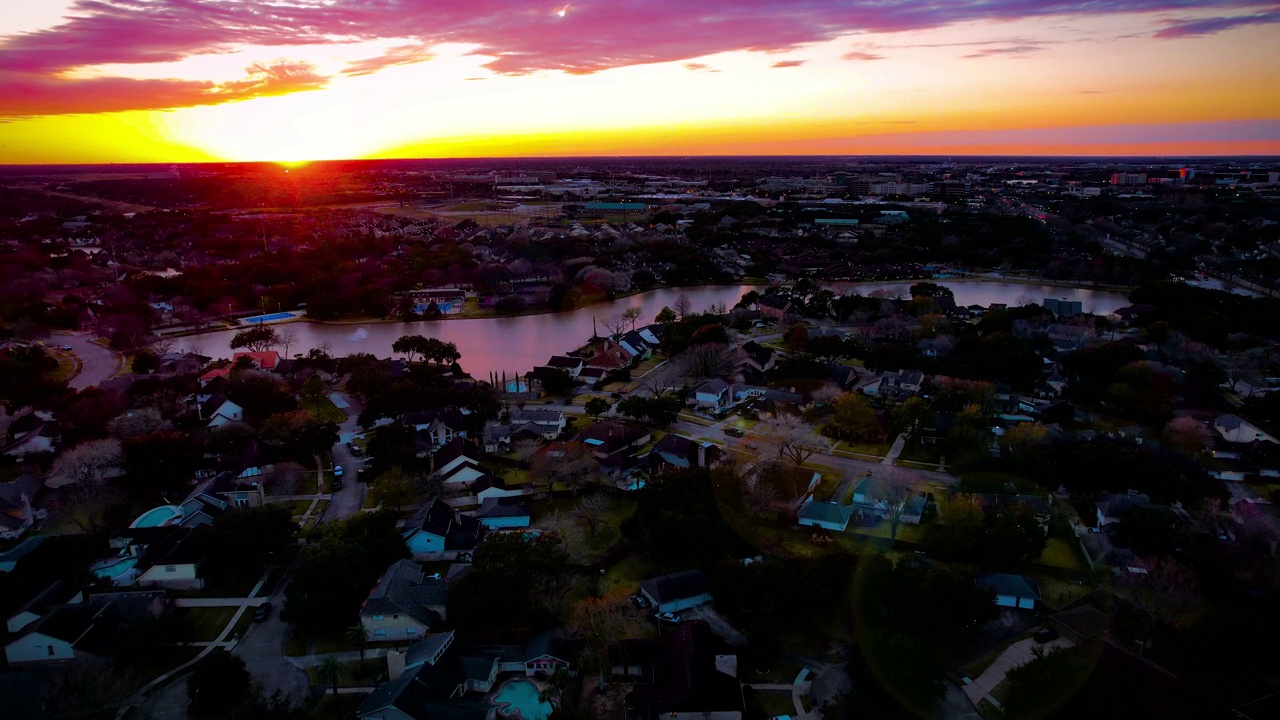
[
  {"x": 158, "y": 516},
  {"x": 519, "y": 699},
  {"x": 116, "y": 569},
  {"x": 268, "y": 318}
]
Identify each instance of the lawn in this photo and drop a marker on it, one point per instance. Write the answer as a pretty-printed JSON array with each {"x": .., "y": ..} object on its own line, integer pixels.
[
  {"x": 878, "y": 450},
  {"x": 68, "y": 365},
  {"x": 773, "y": 703},
  {"x": 1057, "y": 593},
  {"x": 325, "y": 411},
  {"x": 826, "y": 487},
  {"x": 906, "y": 533},
  {"x": 296, "y": 507},
  {"x": 920, "y": 454},
  {"x": 1060, "y": 553},
  {"x": 628, "y": 573},
  {"x": 780, "y": 672},
  {"x": 207, "y": 622}
]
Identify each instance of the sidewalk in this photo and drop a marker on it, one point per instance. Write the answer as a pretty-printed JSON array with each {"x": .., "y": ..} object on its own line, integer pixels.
[{"x": 1015, "y": 656}]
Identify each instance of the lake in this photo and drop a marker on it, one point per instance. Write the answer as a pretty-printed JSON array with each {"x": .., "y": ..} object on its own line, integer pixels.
[{"x": 515, "y": 345}]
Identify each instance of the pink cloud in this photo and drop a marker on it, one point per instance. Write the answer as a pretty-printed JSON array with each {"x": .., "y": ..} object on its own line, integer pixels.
[
  {"x": 26, "y": 94},
  {"x": 861, "y": 55},
  {"x": 1011, "y": 50},
  {"x": 787, "y": 63},
  {"x": 521, "y": 37}
]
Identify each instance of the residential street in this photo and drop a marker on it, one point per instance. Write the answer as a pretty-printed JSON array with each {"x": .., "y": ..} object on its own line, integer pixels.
[
  {"x": 348, "y": 501},
  {"x": 97, "y": 362},
  {"x": 262, "y": 649}
]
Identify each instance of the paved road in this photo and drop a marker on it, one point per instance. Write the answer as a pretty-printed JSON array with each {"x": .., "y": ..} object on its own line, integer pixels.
[
  {"x": 97, "y": 363},
  {"x": 348, "y": 501},
  {"x": 898, "y": 444},
  {"x": 262, "y": 649}
]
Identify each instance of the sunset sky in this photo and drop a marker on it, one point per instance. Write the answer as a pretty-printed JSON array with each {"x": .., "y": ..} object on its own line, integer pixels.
[{"x": 191, "y": 80}]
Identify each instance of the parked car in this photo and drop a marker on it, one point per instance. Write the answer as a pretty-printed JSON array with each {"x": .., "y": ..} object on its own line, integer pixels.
[
  {"x": 355, "y": 449},
  {"x": 667, "y": 617},
  {"x": 1044, "y": 635},
  {"x": 66, "y": 347},
  {"x": 734, "y": 431},
  {"x": 750, "y": 445},
  {"x": 337, "y": 471},
  {"x": 262, "y": 612},
  {"x": 640, "y": 601}
]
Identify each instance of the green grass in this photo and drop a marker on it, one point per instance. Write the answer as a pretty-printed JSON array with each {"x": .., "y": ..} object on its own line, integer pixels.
[
  {"x": 628, "y": 573},
  {"x": 861, "y": 448},
  {"x": 297, "y": 645},
  {"x": 242, "y": 625},
  {"x": 1060, "y": 553},
  {"x": 296, "y": 507},
  {"x": 325, "y": 412},
  {"x": 207, "y": 622},
  {"x": 774, "y": 702},
  {"x": 781, "y": 671},
  {"x": 826, "y": 487},
  {"x": 351, "y": 674},
  {"x": 906, "y": 533},
  {"x": 1057, "y": 593}
]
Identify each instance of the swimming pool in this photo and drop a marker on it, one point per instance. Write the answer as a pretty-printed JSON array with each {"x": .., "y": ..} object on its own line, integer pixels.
[
  {"x": 271, "y": 317},
  {"x": 116, "y": 568},
  {"x": 159, "y": 517},
  {"x": 520, "y": 698}
]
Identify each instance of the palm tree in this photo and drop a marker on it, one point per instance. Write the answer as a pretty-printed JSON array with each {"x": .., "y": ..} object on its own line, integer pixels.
[
  {"x": 328, "y": 671},
  {"x": 357, "y": 635}
]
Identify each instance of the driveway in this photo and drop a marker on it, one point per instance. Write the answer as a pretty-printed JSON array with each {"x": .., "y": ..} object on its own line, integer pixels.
[
  {"x": 97, "y": 363},
  {"x": 1016, "y": 655}
]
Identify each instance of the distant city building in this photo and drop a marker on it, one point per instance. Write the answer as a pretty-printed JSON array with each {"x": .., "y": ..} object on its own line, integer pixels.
[
  {"x": 1128, "y": 178},
  {"x": 1064, "y": 308}
]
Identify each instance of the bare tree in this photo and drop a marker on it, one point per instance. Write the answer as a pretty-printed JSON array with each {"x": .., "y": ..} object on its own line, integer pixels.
[
  {"x": 572, "y": 538},
  {"x": 89, "y": 462},
  {"x": 632, "y": 316},
  {"x": 1187, "y": 434},
  {"x": 704, "y": 361},
  {"x": 1163, "y": 588},
  {"x": 616, "y": 325},
  {"x": 827, "y": 394},
  {"x": 574, "y": 465},
  {"x": 791, "y": 438},
  {"x": 683, "y": 306},
  {"x": 592, "y": 511},
  {"x": 286, "y": 478},
  {"x": 662, "y": 379},
  {"x": 287, "y": 336},
  {"x": 894, "y": 492},
  {"x": 597, "y": 622}
]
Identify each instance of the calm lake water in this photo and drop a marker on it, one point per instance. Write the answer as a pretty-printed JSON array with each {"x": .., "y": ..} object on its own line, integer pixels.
[{"x": 517, "y": 344}]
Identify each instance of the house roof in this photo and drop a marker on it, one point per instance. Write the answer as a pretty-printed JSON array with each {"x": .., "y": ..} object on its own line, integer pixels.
[
  {"x": 714, "y": 386},
  {"x": 503, "y": 507},
  {"x": 545, "y": 417},
  {"x": 1014, "y": 585},
  {"x": 777, "y": 302},
  {"x": 677, "y": 586},
  {"x": 403, "y": 590},
  {"x": 825, "y": 511},
  {"x": 611, "y": 435},
  {"x": 686, "y": 676},
  {"x": 435, "y": 518},
  {"x": 564, "y": 362},
  {"x": 1085, "y": 621},
  {"x": 453, "y": 450},
  {"x": 427, "y": 648},
  {"x": 265, "y": 359}
]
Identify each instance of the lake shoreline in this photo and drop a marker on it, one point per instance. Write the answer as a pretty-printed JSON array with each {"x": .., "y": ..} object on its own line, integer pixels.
[{"x": 1020, "y": 280}]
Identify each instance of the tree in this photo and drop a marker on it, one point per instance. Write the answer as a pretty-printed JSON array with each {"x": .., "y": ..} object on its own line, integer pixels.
[
  {"x": 699, "y": 362},
  {"x": 558, "y": 382},
  {"x": 328, "y": 671},
  {"x": 515, "y": 579},
  {"x": 665, "y": 316},
  {"x": 852, "y": 418},
  {"x": 140, "y": 421},
  {"x": 1165, "y": 589},
  {"x": 1025, "y": 435},
  {"x": 357, "y": 635},
  {"x": 596, "y": 406},
  {"x": 592, "y": 510},
  {"x": 86, "y": 688},
  {"x": 299, "y": 435},
  {"x": 315, "y": 389},
  {"x": 144, "y": 362},
  {"x": 908, "y": 417},
  {"x": 257, "y": 339},
  {"x": 287, "y": 337},
  {"x": 683, "y": 306},
  {"x": 791, "y": 438},
  {"x": 411, "y": 346},
  {"x": 631, "y": 315},
  {"x": 1187, "y": 435},
  {"x": 597, "y": 622},
  {"x": 616, "y": 325},
  {"x": 895, "y": 493},
  {"x": 242, "y": 542},
  {"x": 89, "y": 462},
  {"x": 574, "y": 466}
]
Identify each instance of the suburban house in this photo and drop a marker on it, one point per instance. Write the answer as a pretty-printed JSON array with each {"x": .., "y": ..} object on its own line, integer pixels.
[
  {"x": 439, "y": 426},
  {"x": 684, "y": 675},
  {"x": 243, "y": 489},
  {"x": 492, "y": 487},
  {"x": 171, "y": 561},
  {"x": 261, "y": 360},
  {"x": 1081, "y": 624},
  {"x": 453, "y": 454},
  {"x": 1013, "y": 591},
  {"x": 66, "y": 633},
  {"x": 870, "y": 494},
  {"x": 775, "y": 307},
  {"x": 544, "y": 654},
  {"x": 435, "y": 529},
  {"x": 29, "y": 434},
  {"x": 1236, "y": 429},
  {"x": 712, "y": 396},
  {"x": 404, "y": 603},
  {"x": 569, "y": 364},
  {"x": 38, "y": 607},
  {"x": 677, "y": 591},
  {"x": 433, "y": 680},
  {"x": 680, "y": 451},
  {"x": 824, "y": 514},
  {"x": 463, "y": 475},
  {"x": 758, "y": 357},
  {"x": 548, "y": 423},
  {"x": 610, "y": 437},
  {"x": 224, "y": 413},
  {"x": 610, "y": 356},
  {"x": 16, "y": 511},
  {"x": 503, "y": 512},
  {"x": 900, "y": 385},
  {"x": 1111, "y": 508}
]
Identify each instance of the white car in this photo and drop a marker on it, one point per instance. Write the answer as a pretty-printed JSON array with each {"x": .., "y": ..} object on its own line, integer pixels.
[
  {"x": 667, "y": 617},
  {"x": 66, "y": 347}
]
